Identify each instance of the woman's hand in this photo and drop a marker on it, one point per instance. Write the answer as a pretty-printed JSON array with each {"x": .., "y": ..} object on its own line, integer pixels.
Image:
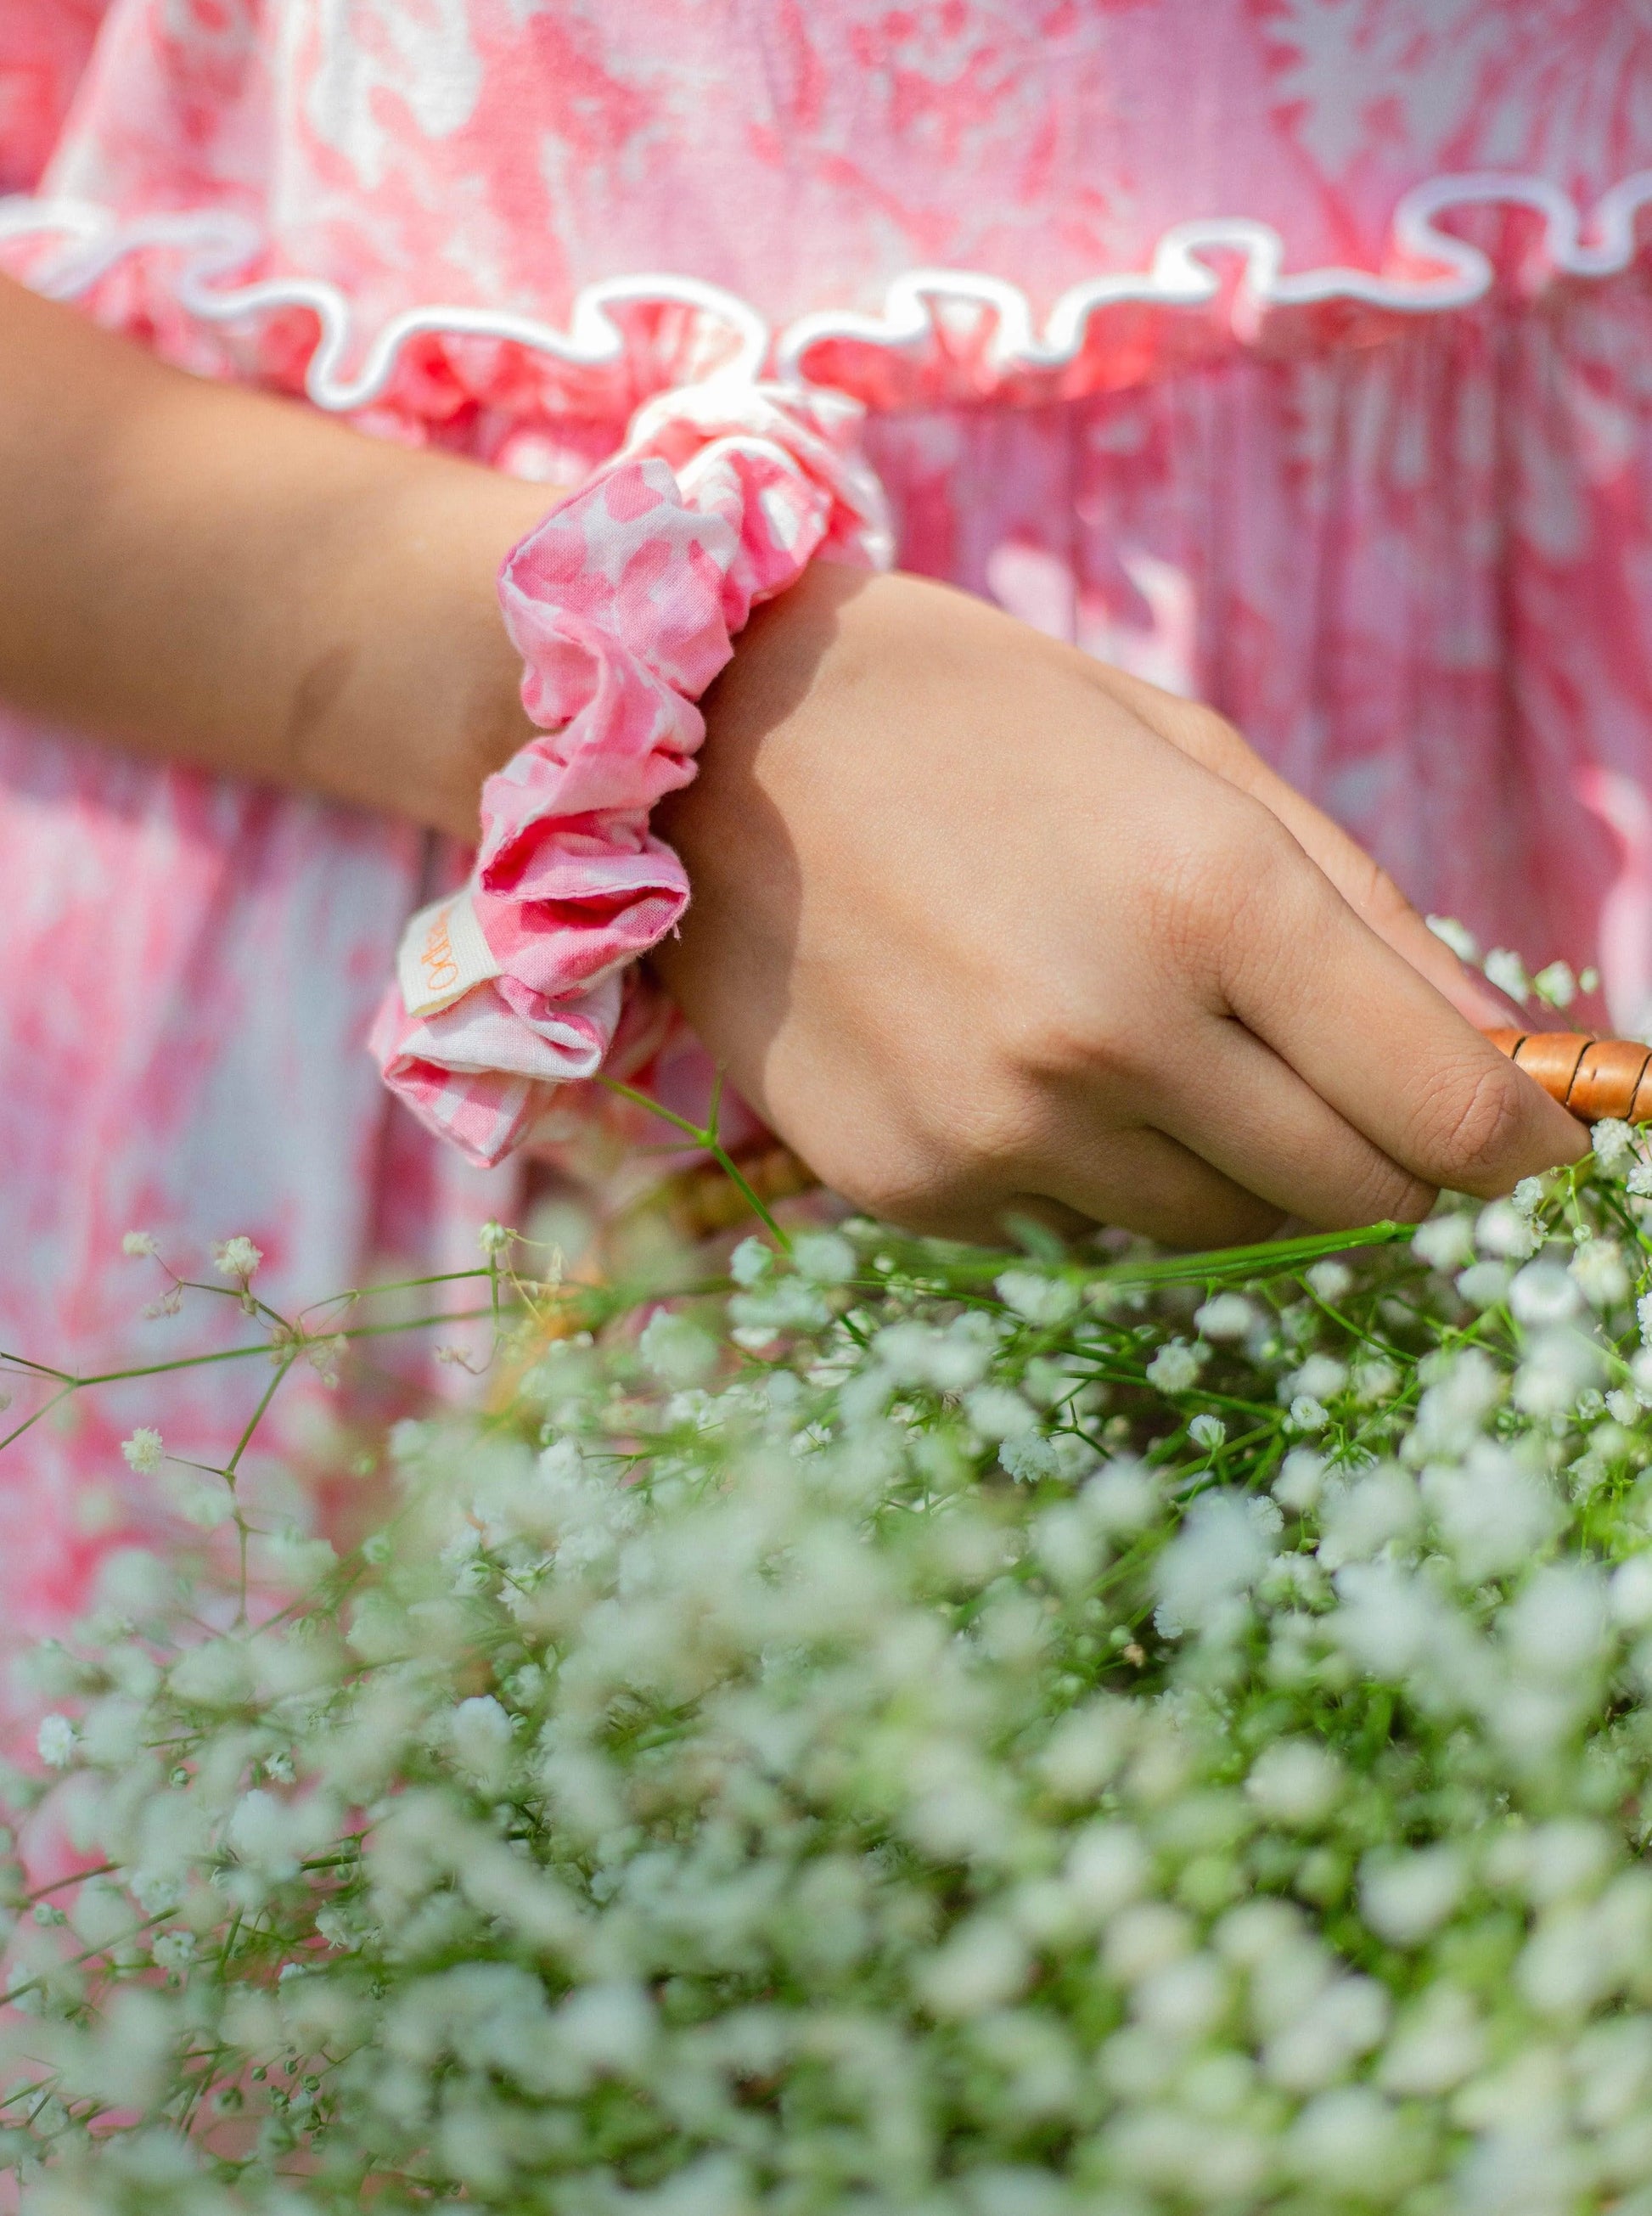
[{"x": 979, "y": 923}]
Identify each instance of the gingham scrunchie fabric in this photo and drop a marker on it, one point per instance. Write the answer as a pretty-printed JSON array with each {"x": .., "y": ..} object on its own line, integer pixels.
[{"x": 623, "y": 603}]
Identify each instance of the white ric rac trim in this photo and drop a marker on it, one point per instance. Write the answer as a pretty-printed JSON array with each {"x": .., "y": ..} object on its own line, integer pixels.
[{"x": 214, "y": 244}]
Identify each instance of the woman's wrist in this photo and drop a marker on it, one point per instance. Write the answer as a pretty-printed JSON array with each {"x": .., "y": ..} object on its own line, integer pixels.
[
  {"x": 408, "y": 694},
  {"x": 623, "y": 602},
  {"x": 208, "y": 574}
]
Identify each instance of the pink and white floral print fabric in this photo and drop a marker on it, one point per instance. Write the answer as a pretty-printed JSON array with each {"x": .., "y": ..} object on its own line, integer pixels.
[
  {"x": 623, "y": 604},
  {"x": 1292, "y": 353},
  {"x": 43, "y": 54}
]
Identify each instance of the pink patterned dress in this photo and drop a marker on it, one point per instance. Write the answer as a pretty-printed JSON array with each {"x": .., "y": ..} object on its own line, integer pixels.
[{"x": 1293, "y": 353}]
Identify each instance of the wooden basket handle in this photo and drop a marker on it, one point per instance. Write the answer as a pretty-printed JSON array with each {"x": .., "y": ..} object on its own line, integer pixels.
[{"x": 1592, "y": 1077}]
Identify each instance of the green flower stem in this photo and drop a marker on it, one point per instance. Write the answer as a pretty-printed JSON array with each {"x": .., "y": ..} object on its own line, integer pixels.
[{"x": 705, "y": 1135}]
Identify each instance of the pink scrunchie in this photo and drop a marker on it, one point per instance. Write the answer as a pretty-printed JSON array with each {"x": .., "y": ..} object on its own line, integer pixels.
[{"x": 623, "y": 603}]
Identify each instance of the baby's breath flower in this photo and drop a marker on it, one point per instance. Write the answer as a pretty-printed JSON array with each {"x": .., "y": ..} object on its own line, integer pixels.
[
  {"x": 204, "y": 1506},
  {"x": 1374, "y": 1380},
  {"x": 984, "y": 1964},
  {"x": 481, "y": 1734},
  {"x": 997, "y": 1412},
  {"x": 1507, "y": 973},
  {"x": 750, "y": 1260},
  {"x": 1461, "y": 940},
  {"x": 676, "y": 1348},
  {"x": 1296, "y": 1782},
  {"x": 236, "y": 1258},
  {"x": 1406, "y": 1897},
  {"x": 1301, "y": 1475},
  {"x": 1482, "y": 1284},
  {"x": 1121, "y": 1496},
  {"x": 1322, "y": 1376},
  {"x": 1599, "y": 1272},
  {"x": 1445, "y": 1242},
  {"x": 157, "y": 1891},
  {"x": 1222, "y": 1548},
  {"x": 144, "y": 1451},
  {"x": 1040, "y": 1299},
  {"x": 1556, "y": 984},
  {"x": 139, "y": 1243},
  {"x": 1527, "y": 1197},
  {"x": 1560, "y": 1366},
  {"x": 1504, "y": 1231},
  {"x": 56, "y": 1740},
  {"x": 495, "y": 1239},
  {"x": 825, "y": 1257},
  {"x": 1226, "y": 1317},
  {"x": 755, "y": 1337},
  {"x": 535, "y": 1802},
  {"x": 1027, "y": 1457},
  {"x": 1545, "y": 1293},
  {"x": 1614, "y": 1145},
  {"x": 1175, "y": 1367}
]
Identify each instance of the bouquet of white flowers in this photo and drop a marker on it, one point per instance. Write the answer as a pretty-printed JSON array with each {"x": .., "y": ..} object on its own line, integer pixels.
[{"x": 906, "y": 1733}]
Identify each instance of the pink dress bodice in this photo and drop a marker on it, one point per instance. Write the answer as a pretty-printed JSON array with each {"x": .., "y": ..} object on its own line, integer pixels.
[{"x": 1291, "y": 354}]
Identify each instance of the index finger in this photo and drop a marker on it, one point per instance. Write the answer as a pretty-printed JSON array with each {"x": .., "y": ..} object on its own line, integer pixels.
[
  {"x": 1379, "y": 1042},
  {"x": 1368, "y": 887}
]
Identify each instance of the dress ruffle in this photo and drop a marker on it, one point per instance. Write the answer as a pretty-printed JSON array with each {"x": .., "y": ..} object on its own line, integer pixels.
[
  {"x": 200, "y": 285},
  {"x": 623, "y": 604}
]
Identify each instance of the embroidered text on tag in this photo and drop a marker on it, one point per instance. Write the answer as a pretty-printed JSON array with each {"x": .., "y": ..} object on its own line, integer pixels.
[{"x": 442, "y": 954}]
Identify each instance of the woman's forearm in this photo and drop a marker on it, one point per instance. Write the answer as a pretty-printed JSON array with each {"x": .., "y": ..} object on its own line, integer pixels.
[{"x": 198, "y": 571}]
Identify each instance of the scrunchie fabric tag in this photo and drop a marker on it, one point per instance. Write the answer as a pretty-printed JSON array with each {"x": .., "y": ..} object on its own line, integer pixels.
[{"x": 623, "y": 603}]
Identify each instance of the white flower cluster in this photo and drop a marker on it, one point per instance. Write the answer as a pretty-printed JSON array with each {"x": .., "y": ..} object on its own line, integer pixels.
[{"x": 1134, "y": 1738}]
